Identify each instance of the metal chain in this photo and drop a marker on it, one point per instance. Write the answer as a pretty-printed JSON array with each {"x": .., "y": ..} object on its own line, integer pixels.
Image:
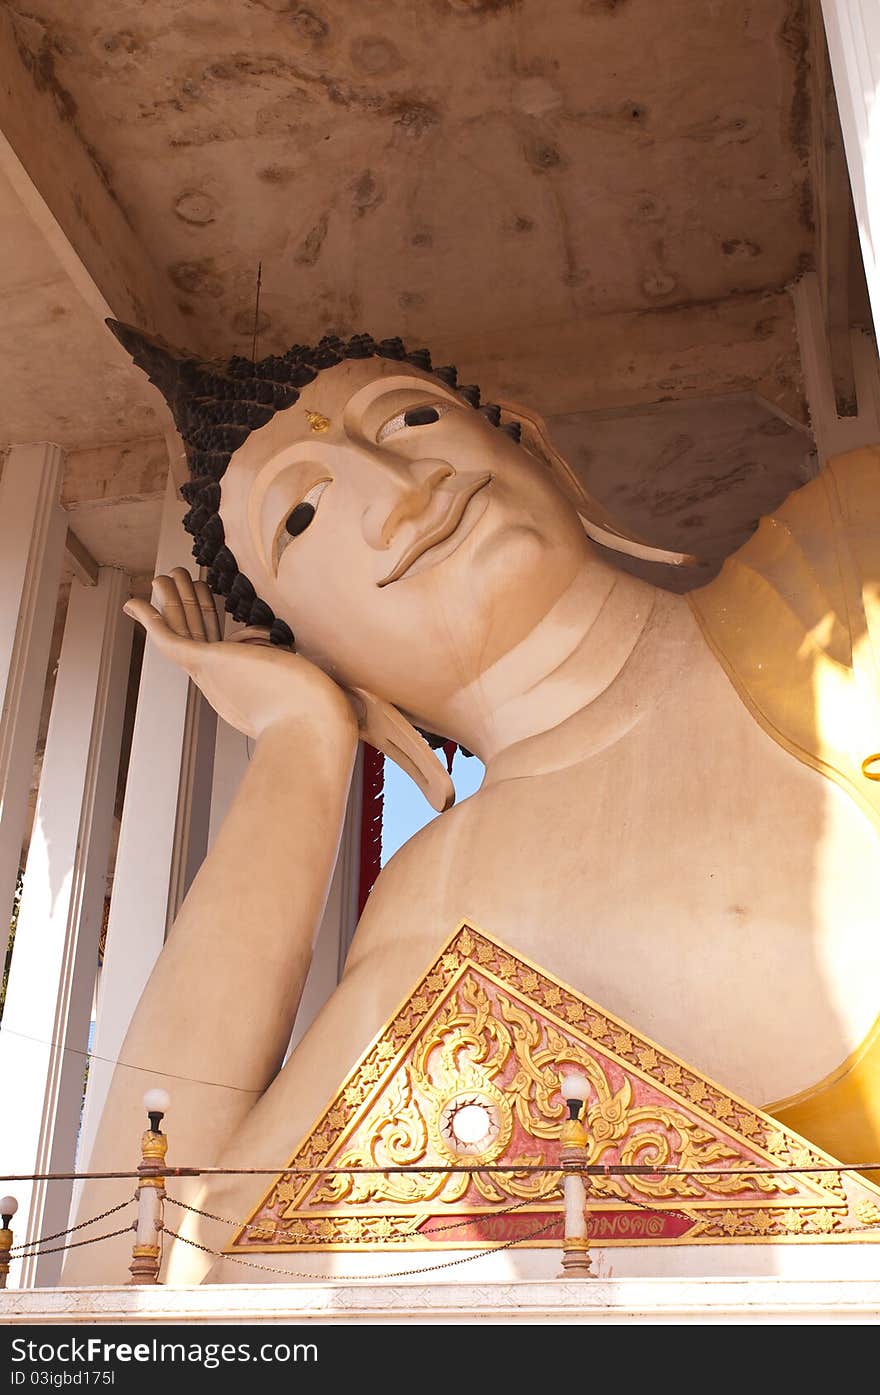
[
  {"x": 208, "y": 1215},
  {"x": 631, "y": 1201},
  {"x": 555, "y": 1195},
  {"x": 37, "y": 1254},
  {"x": 398, "y": 1274},
  {"x": 44, "y": 1239}
]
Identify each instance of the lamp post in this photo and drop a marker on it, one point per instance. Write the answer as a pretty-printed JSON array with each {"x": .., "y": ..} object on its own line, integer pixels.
[
  {"x": 146, "y": 1251},
  {"x": 8, "y": 1208},
  {"x": 573, "y": 1156}
]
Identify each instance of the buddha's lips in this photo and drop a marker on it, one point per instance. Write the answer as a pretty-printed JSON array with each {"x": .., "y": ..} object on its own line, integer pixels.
[{"x": 444, "y": 527}]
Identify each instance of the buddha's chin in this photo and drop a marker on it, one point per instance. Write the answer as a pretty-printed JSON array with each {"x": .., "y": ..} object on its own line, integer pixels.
[{"x": 508, "y": 555}]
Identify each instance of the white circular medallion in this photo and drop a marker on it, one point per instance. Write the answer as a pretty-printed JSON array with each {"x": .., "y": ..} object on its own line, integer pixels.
[{"x": 471, "y": 1123}]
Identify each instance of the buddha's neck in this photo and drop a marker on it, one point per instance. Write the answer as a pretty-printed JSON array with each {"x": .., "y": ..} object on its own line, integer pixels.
[{"x": 561, "y": 667}]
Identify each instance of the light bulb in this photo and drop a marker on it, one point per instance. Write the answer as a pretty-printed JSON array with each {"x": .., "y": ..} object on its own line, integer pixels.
[
  {"x": 157, "y": 1101},
  {"x": 575, "y": 1086},
  {"x": 8, "y": 1206}
]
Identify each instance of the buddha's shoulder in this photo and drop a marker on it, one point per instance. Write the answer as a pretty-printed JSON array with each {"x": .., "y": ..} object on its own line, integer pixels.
[
  {"x": 441, "y": 834},
  {"x": 426, "y": 869}
]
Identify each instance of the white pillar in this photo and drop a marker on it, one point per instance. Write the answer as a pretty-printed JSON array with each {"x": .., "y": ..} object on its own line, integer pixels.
[
  {"x": 32, "y": 532},
  {"x": 833, "y": 434},
  {"x": 852, "y": 28},
  {"x": 45, "y": 1030},
  {"x": 148, "y": 852}
]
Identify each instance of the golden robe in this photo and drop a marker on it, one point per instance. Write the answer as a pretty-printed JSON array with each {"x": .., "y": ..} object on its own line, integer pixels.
[{"x": 794, "y": 619}]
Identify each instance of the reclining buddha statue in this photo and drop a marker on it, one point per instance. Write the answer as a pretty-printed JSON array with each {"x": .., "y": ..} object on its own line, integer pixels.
[{"x": 680, "y": 810}]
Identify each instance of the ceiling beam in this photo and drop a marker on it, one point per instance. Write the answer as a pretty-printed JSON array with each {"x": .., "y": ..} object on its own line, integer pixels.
[
  {"x": 744, "y": 343},
  {"x": 107, "y": 475},
  {"x": 84, "y": 565}
]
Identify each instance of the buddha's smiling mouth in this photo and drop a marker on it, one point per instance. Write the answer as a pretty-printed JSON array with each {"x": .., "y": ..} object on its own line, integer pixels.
[{"x": 450, "y": 527}]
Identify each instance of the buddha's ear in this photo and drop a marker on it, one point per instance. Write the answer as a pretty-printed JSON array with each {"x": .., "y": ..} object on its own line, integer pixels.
[
  {"x": 390, "y": 732},
  {"x": 599, "y": 523}
]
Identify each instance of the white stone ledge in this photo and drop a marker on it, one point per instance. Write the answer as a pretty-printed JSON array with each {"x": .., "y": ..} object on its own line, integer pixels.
[{"x": 708, "y": 1300}]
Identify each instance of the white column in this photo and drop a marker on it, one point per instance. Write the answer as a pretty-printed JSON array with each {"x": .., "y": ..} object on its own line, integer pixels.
[
  {"x": 149, "y": 842},
  {"x": 32, "y": 532},
  {"x": 834, "y": 434},
  {"x": 853, "y": 31},
  {"x": 45, "y": 1030}
]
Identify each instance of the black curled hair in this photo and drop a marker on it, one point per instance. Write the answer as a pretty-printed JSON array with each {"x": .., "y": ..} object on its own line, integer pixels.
[{"x": 216, "y": 406}]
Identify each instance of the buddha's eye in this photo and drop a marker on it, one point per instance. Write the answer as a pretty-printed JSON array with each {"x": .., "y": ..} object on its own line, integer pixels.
[
  {"x": 422, "y": 415},
  {"x": 298, "y": 519}
]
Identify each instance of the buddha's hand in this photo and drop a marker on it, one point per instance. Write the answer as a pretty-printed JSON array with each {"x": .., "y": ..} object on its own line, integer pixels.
[{"x": 252, "y": 684}]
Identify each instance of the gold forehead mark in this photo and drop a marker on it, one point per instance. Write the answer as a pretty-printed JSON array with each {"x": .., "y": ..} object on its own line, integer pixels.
[{"x": 317, "y": 422}]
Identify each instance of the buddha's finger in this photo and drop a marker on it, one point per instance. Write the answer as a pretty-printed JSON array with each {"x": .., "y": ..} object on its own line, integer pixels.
[
  {"x": 191, "y": 609},
  {"x": 209, "y": 611},
  {"x": 171, "y": 605},
  {"x": 152, "y": 620}
]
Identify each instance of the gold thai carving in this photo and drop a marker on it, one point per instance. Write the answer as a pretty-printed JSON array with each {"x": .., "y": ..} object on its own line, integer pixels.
[
  {"x": 572, "y": 1134},
  {"x": 484, "y": 1039}
]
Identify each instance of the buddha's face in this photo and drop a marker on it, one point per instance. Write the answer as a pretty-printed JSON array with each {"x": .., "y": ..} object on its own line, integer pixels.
[{"x": 407, "y": 541}]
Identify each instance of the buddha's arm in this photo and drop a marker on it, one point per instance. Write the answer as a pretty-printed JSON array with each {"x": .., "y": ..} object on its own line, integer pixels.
[{"x": 216, "y": 1015}]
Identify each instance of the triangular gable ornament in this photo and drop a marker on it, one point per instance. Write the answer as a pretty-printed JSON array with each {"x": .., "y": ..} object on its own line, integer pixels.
[{"x": 467, "y": 1074}]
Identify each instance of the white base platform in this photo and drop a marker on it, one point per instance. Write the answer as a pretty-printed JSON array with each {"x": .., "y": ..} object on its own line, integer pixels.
[{"x": 669, "y": 1300}]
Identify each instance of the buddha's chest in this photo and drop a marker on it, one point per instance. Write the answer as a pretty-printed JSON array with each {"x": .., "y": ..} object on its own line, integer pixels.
[{"x": 728, "y": 907}]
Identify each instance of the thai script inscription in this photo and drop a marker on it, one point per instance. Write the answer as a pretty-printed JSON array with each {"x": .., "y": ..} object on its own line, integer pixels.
[{"x": 601, "y": 1226}]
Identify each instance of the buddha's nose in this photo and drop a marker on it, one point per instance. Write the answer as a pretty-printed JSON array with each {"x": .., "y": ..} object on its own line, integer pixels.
[{"x": 405, "y": 503}]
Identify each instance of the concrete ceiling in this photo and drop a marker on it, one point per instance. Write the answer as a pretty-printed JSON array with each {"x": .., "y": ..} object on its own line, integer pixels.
[
  {"x": 692, "y": 476},
  {"x": 62, "y": 377},
  {"x": 442, "y": 168}
]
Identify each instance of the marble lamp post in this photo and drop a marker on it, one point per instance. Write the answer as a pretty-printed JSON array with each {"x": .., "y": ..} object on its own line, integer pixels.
[{"x": 573, "y": 1156}]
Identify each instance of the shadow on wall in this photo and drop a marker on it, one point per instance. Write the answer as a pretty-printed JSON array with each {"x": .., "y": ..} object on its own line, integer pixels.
[{"x": 693, "y": 476}]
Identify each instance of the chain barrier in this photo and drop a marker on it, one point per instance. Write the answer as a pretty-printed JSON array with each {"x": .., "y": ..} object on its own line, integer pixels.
[
  {"x": 57, "y": 1249},
  {"x": 554, "y": 1195},
  {"x": 26, "y": 1248},
  {"x": 31, "y": 1248},
  {"x": 395, "y": 1274},
  {"x": 641, "y": 1205}
]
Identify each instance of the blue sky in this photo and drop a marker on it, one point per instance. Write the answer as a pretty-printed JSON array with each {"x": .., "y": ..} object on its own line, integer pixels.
[{"x": 407, "y": 810}]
